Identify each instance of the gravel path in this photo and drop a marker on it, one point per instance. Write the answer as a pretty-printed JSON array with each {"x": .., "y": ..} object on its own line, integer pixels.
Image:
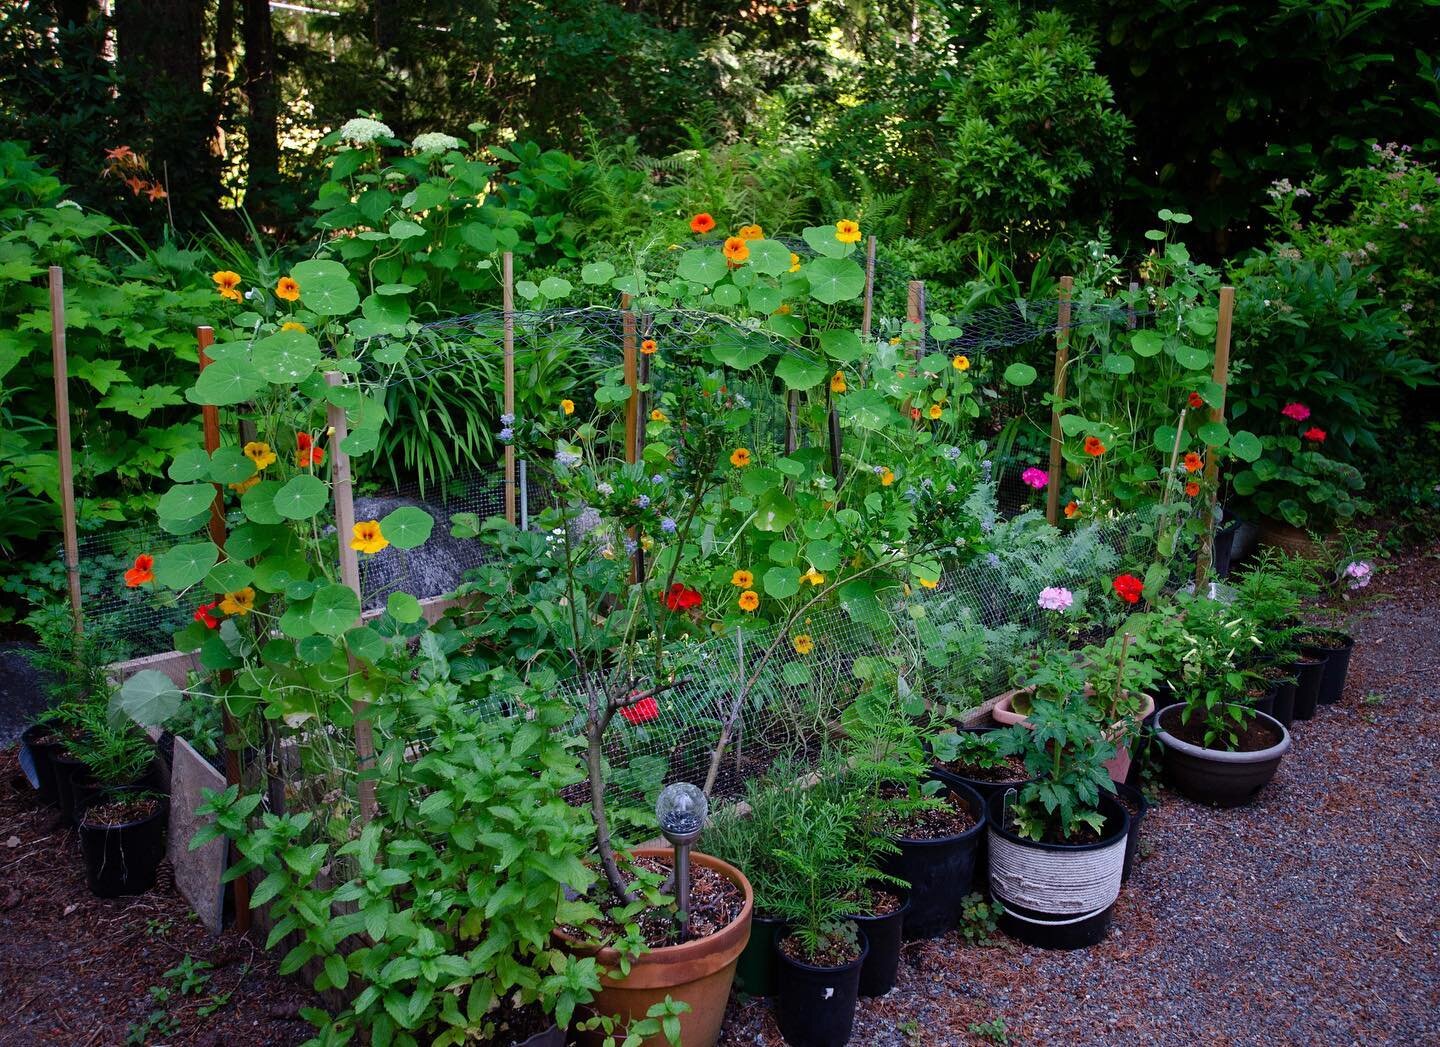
[{"x": 1309, "y": 917}]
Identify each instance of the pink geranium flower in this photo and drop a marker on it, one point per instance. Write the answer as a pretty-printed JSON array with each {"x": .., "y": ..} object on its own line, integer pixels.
[
  {"x": 1296, "y": 411},
  {"x": 1036, "y": 478}
]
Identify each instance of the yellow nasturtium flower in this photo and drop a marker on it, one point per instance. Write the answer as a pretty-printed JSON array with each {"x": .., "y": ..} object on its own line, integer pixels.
[{"x": 368, "y": 538}]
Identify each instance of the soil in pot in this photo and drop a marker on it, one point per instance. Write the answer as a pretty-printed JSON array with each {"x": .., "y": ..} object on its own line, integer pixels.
[
  {"x": 1261, "y": 698},
  {"x": 1135, "y": 804},
  {"x": 755, "y": 970},
  {"x": 1258, "y": 734},
  {"x": 883, "y": 923},
  {"x": 1308, "y": 672},
  {"x": 122, "y": 836},
  {"x": 527, "y": 1026},
  {"x": 698, "y": 971},
  {"x": 937, "y": 859},
  {"x": 815, "y": 997},
  {"x": 1335, "y": 648},
  {"x": 1221, "y": 777}
]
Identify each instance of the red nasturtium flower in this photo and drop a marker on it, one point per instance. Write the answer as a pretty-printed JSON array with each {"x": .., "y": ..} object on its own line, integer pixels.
[
  {"x": 204, "y": 617},
  {"x": 1192, "y": 488},
  {"x": 914, "y": 414},
  {"x": 702, "y": 223},
  {"x": 1314, "y": 434},
  {"x": 1128, "y": 587},
  {"x": 681, "y": 598},
  {"x": 1193, "y": 462},
  {"x": 1094, "y": 447},
  {"x": 306, "y": 453},
  {"x": 1072, "y": 510},
  {"x": 142, "y": 573},
  {"x": 642, "y": 711},
  {"x": 1196, "y": 401}
]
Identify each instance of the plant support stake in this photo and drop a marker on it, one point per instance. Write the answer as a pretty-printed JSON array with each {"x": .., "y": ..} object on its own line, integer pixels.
[
  {"x": 507, "y": 267},
  {"x": 1057, "y": 436},
  {"x": 62, "y": 442},
  {"x": 1217, "y": 414}
]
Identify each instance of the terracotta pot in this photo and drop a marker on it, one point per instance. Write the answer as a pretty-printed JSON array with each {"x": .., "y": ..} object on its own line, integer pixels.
[
  {"x": 1118, "y": 765},
  {"x": 1279, "y": 535},
  {"x": 697, "y": 972}
]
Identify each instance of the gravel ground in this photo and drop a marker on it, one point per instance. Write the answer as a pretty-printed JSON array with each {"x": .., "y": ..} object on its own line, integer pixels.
[{"x": 1309, "y": 917}]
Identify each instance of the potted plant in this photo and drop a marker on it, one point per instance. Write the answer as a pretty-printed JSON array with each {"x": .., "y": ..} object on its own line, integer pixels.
[
  {"x": 821, "y": 952},
  {"x": 1057, "y": 845},
  {"x": 112, "y": 758},
  {"x": 1334, "y": 647},
  {"x": 122, "y": 837}
]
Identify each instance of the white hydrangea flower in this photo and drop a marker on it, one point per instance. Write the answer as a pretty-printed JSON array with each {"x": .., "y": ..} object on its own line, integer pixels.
[
  {"x": 362, "y": 131},
  {"x": 436, "y": 142}
]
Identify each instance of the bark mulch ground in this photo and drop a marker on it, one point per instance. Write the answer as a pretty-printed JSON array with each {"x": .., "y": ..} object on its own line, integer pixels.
[
  {"x": 78, "y": 970},
  {"x": 1310, "y": 917}
]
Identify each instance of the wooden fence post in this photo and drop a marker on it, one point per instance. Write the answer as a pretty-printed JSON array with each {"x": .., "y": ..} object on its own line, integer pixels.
[
  {"x": 632, "y": 380},
  {"x": 61, "y": 368},
  {"x": 210, "y": 422},
  {"x": 507, "y": 291},
  {"x": 1217, "y": 414},
  {"x": 1057, "y": 436},
  {"x": 350, "y": 575}
]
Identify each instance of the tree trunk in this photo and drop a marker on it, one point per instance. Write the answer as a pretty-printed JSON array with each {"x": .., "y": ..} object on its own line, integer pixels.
[
  {"x": 263, "y": 100},
  {"x": 223, "y": 75}
]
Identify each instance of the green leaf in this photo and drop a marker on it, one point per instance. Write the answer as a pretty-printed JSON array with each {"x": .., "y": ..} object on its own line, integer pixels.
[
  {"x": 1189, "y": 357},
  {"x": 597, "y": 273},
  {"x": 781, "y": 582},
  {"x": 286, "y": 357},
  {"x": 727, "y": 295},
  {"x": 334, "y": 609},
  {"x": 228, "y": 465},
  {"x": 1020, "y": 375},
  {"x": 325, "y": 287},
  {"x": 250, "y": 540},
  {"x": 1119, "y": 363},
  {"x": 555, "y": 287},
  {"x": 842, "y": 346},
  {"x": 799, "y": 373},
  {"x": 403, "y": 230},
  {"x": 149, "y": 698},
  {"x": 366, "y": 644},
  {"x": 302, "y": 497},
  {"x": 360, "y": 441},
  {"x": 835, "y": 280},
  {"x": 796, "y": 674},
  {"x": 859, "y": 599},
  {"x": 407, "y": 527},
  {"x": 821, "y": 239},
  {"x": 315, "y": 649},
  {"x": 701, "y": 265},
  {"x": 189, "y": 465},
  {"x": 741, "y": 349},
  {"x": 1246, "y": 446},
  {"x": 1147, "y": 343},
  {"x": 185, "y": 565},
  {"x": 769, "y": 257},
  {"x": 1214, "y": 433},
  {"x": 403, "y": 607},
  {"x": 227, "y": 382},
  {"x": 228, "y": 576},
  {"x": 773, "y": 512},
  {"x": 258, "y": 503},
  {"x": 185, "y": 501}
]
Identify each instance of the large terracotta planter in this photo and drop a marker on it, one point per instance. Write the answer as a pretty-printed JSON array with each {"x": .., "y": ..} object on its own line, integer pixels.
[
  {"x": 697, "y": 972},
  {"x": 1118, "y": 765}
]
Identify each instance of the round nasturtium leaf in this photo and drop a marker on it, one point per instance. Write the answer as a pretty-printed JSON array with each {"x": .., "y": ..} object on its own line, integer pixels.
[
  {"x": 769, "y": 257},
  {"x": 701, "y": 265},
  {"x": 258, "y": 503},
  {"x": 189, "y": 465},
  {"x": 1246, "y": 445},
  {"x": 286, "y": 357},
  {"x": 185, "y": 501},
  {"x": 597, "y": 273},
  {"x": 302, "y": 497},
  {"x": 325, "y": 287},
  {"x": 1020, "y": 375},
  {"x": 799, "y": 373},
  {"x": 149, "y": 697},
  {"x": 407, "y": 527},
  {"x": 835, "y": 280},
  {"x": 334, "y": 609},
  {"x": 403, "y": 607},
  {"x": 228, "y": 465},
  {"x": 185, "y": 565},
  {"x": 226, "y": 382}
]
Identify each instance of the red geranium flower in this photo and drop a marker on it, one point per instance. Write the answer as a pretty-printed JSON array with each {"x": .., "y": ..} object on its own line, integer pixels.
[
  {"x": 1196, "y": 401},
  {"x": 1128, "y": 587},
  {"x": 681, "y": 598},
  {"x": 1296, "y": 411},
  {"x": 642, "y": 711},
  {"x": 1314, "y": 434},
  {"x": 203, "y": 615}
]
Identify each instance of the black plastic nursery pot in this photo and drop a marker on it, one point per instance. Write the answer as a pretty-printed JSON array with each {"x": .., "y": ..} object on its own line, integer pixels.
[
  {"x": 1285, "y": 703},
  {"x": 815, "y": 1006},
  {"x": 1057, "y": 895},
  {"x": 551, "y": 1037},
  {"x": 755, "y": 969},
  {"x": 1215, "y": 776},
  {"x": 37, "y": 760},
  {"x": 67, "y": 770},
  {"x": 1308, "y": 672},
  {"x": 884, "y": 935},
  {"x": 1137, "y": 807},
  {"x": 1224, "y": 546},
  {"x": 1337, "y": 665},
  {"x": 939, "y": 871},
  {"x": 121, "y": 858}
]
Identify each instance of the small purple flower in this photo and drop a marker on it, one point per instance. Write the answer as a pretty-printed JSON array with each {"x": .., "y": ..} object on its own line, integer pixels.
[
  {"x": 992, "y": 559},
  {"x": 507, "y": 419},
  {"x": 1055, "y": 598},
  {"x": 953, "y": 453},
  {"x": 667, "y": 525},
  {"x": 630, "y": 546},
  {"x": 985, "y": 467},
  {"x": 643, "y": 501},
  {"x": 506, "y": 435},
  {"x": 658, "y": 480},
  {"x": 569, "y": 459},
  {"x": 604, "y": 488},
  {"x": 1359, "y": 572}
]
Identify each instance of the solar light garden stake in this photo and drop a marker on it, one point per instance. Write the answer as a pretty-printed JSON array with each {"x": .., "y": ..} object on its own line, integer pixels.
[{"x": 681, "y": 812}]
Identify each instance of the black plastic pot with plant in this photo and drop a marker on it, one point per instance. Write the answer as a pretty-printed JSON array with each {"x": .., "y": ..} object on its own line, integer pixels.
[
  {"x": 815, "y": 1001},
  {"x": 936, "y": 863},
  {"x": 882, "y": 920},
  {"x": 38, "y": 747},
  {"x": 1308, "y": 674},
  {"x": 122, "y": 837},
  {"x": 1334, "y": 647}
]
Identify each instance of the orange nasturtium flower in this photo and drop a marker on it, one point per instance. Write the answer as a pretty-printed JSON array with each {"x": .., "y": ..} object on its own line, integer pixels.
[
  {"x": 960, "y": 363},
  {"x": 1193, "y": 462},
  {"x": 1072, "y": 510},
  {"x": 227, "y": 284},
  {"x": 794, "y": 262},
  {"x": 737, "y": 251},
  {"x": 648, "y": 347},
  {"x": 802, "y": 643},
  {"x": 244, "y": 485},
  {"x": 368, "y": 538},
  {"x": 1093, "y": 446},
  {"x": 813, "y": 576},
  {"x": 742, "y": 579},
  {"x": 1192, "y": 488},
  {"x": 929, "y": 583},
  {"x": 936, "y": 411},
  {"x": 847, "y": 232},
  {"x": 886, "y": 478},
  {"x": 288, "y": 289},
  {"x": 749, "y": 600},
  {"x": 837, "y": 382},
  {"x": 306, "y": 453},
  {"x": 658, "y": 415},
  {"x": 567, "y": 407},
  {"x": 260, "y": 454},
  {"x": 141, "y": 573},
  {"x": 241, "y": 601},
  {"x": 740, "y": 457},
  {"x": 750, "y": 232},
  {"x": 702, "y": 223},
  {"x": 291, "y": 325}
]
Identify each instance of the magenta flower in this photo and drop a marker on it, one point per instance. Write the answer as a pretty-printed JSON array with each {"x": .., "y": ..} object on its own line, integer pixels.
[
  {"x": 1298, "y": 412},
  {"x": 1036, "y": 478}
]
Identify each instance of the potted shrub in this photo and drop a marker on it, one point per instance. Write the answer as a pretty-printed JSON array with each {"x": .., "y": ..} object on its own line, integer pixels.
[
  {"x": 111, "y": 759},
  {"x": 1309, "y": 671},
  {"x": 1057, "y": 845},
  {"x": 821, "y": 952}
]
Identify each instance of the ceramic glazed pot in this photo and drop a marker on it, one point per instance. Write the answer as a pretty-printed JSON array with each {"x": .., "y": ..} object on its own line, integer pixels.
[
  {"x": 698, "y": 972},
  {"x": 1214, "y": 776}
]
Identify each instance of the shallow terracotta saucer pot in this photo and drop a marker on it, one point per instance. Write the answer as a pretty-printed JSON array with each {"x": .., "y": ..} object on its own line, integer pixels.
[
  {"x": 1118, "y": 765},
  {"x": 697, "y": 972}
]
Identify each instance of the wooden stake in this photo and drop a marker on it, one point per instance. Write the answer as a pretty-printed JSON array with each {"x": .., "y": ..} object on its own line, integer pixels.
[
  {"x": 62, "y": 443},
  {"x": 632, "y": 381},
  {"x": 1217, "y": 414},
  {"x": 868, "y": 313},
  {"x": 507, "y": 292},
  {"x": 350, "y": 575},
  {"x": 1130, "y": 307},
  {"x": 210, "y": 422},
  {"x": 792, "y": 421},
  {"x": 1057, "y": 435}
]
